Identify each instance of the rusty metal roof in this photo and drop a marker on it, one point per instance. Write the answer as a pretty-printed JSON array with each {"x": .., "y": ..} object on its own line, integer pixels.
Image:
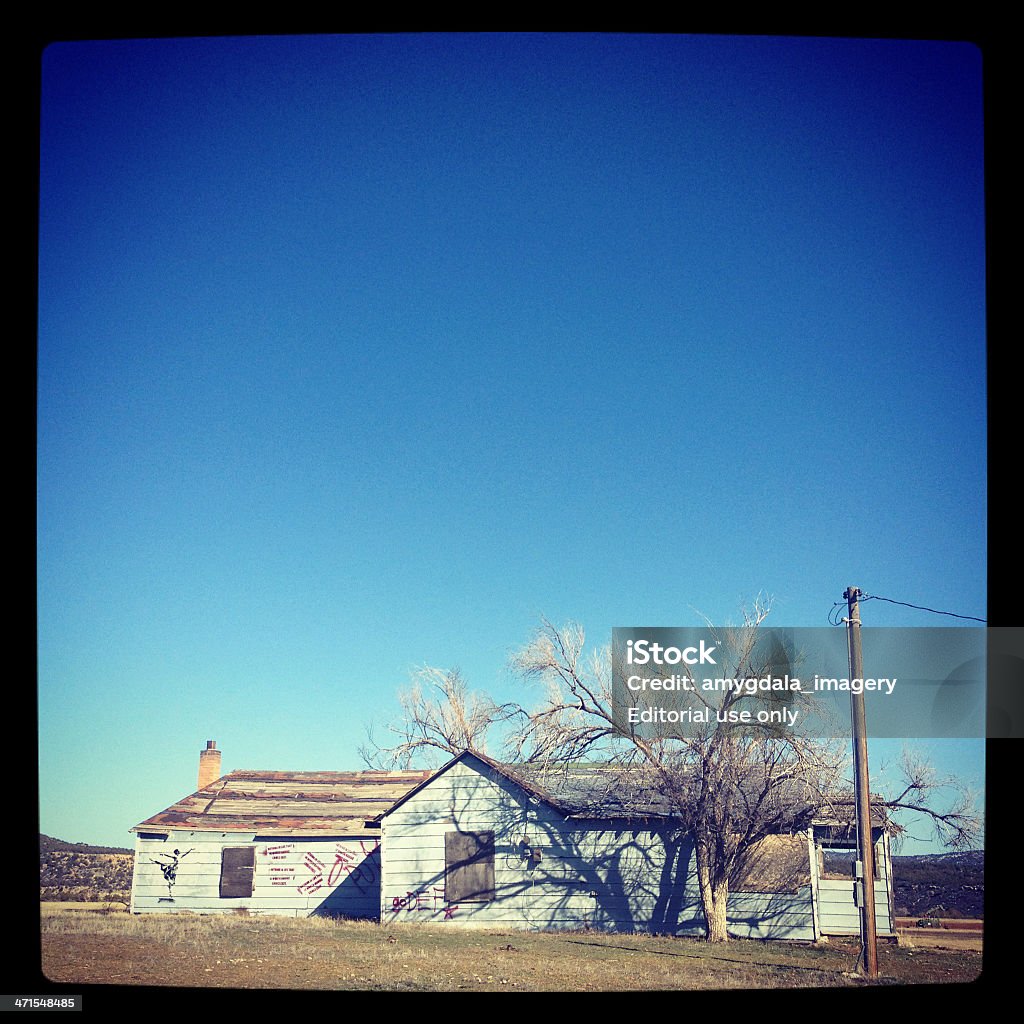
[{"x": 288, "y": 803}]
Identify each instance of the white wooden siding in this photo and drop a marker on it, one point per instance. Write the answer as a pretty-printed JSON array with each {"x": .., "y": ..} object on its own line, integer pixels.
[
  {"x": 291, "y": 876},
  {"x": 616, "y": 877},
  {"x": 839, "y": 912}
]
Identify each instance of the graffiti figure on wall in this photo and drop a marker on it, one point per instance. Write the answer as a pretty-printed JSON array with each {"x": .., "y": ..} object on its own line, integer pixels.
[{"x": 168, "y": 864}]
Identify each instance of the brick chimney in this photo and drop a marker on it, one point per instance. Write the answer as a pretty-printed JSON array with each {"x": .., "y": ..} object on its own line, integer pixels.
[{"x": 209, "y": 764}]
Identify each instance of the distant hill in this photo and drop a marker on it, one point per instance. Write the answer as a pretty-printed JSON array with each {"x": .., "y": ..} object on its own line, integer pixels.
[
  {"x": 940, "y": 885},
  {"x": 47, "y": 844},
  {"x": 78, "y": 872}
]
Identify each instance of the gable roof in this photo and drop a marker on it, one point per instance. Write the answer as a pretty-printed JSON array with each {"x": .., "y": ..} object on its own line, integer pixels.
[
  {"x": 607, "y": 792},
  {"x": 288, "y": 803},
  {"x": 467, "y": 755},
  {"x": 599, "y": 790},
  {"x": 591, "y": 791}
]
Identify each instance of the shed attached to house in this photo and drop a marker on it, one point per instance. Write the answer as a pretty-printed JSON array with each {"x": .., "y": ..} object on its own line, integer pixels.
[
  {"x": 834, "y": 871},
  {"x": 482, "y": 844},
  {"x": 294, "y": 843}
]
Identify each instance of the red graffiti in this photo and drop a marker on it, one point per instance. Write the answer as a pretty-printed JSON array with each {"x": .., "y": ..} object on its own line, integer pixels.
[
  {"x": 342, "y": 864},
  {"x": 277, "y": 852},
  {"x": 421, "y": 899},
  {"x": 360, "y": 875},
  {"x": 346, "y": 866}
]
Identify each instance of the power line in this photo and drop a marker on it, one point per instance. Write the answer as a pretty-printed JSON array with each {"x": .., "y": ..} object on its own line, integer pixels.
[
  {"x": 919, "y": 607},
  {"x": 836, "y": 618}
]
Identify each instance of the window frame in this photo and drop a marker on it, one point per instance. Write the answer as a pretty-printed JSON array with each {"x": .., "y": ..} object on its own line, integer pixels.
[{"x": 841, "y": 844}]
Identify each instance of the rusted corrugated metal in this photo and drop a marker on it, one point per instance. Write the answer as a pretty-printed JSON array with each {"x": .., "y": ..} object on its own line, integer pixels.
[{"x": 288, "y": 803}]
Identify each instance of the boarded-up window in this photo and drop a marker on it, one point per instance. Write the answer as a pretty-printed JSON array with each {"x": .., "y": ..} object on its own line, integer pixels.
[
  {"x": 468, "y": 867},
  {"x": 236, "y": 869}
]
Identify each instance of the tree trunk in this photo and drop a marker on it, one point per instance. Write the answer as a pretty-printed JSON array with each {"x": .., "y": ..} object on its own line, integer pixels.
[
  {"x": 714, "y": 894},
  {"x": 713, "y": 901}
]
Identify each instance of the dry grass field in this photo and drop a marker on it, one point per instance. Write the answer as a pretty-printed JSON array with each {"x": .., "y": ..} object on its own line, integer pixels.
[{"x": 238, "y": 952}]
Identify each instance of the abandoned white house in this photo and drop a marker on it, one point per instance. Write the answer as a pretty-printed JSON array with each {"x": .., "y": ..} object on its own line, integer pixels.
[
  {"x": 479, "y": 843},
  {"x": 272, "y": 842}
]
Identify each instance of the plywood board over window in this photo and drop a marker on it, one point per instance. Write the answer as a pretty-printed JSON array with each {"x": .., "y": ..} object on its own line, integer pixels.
[
  {"x": 469, "y": 867},
  {"x": 236, "y": 870}
]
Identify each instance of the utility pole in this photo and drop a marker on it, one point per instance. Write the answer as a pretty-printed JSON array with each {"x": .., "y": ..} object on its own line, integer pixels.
[{"x": 866, "y": 851}]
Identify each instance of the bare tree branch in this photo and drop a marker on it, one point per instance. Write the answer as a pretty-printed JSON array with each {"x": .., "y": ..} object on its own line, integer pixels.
[
  {"x": 943, "y": 800},
  {"x": 439, "y": 718}
]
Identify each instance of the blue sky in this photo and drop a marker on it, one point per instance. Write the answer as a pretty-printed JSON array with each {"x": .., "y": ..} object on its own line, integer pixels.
[{"x": 362, "y": 353}]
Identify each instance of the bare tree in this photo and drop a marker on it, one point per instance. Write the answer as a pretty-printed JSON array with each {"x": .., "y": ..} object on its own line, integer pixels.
[
  {"x": 439, "y": 718},
  {"x": 727, "y": 787}
]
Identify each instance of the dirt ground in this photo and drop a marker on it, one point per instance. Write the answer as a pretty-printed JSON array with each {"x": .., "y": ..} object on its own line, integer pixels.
[
  {"x": 937, "y": 938},
  {"x": 225, "y": 951}
]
